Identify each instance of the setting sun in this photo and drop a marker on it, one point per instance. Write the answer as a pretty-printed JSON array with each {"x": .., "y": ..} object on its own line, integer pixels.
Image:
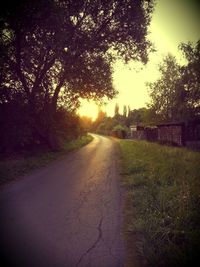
[
  {"x": 130, "y": 80},
  {"x": 89, "y": 109}
]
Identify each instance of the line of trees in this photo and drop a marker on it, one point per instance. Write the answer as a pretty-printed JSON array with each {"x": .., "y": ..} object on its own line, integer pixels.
[
  {"x": 175, "y": 96},
  {"x": 55, "y": 51},
  {"x": 106, "y": 125}
]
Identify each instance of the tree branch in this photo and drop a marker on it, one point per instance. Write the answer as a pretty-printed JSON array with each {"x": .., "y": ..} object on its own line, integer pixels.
[
  {"x": 18, "y": 65},
  {"x": 57, "y": 91},
  {"x": 46, "y": 66}
]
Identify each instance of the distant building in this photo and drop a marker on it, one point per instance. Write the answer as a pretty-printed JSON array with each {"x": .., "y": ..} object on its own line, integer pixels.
[
  {"x": 176, "y": 133},
  {"x": 144, "y": 133},
  {"x": 171, "y": 133},
  {"x": 137, "y": 132}
]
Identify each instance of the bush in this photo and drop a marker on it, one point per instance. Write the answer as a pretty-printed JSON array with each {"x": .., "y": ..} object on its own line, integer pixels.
[
  {"x": 22, "y": 129},
  {"x": 120, "y": 131}
]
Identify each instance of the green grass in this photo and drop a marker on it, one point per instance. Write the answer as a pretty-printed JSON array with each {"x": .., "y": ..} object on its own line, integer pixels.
[
  {"x": 11, "y": 169},
  {"x": 163, "y": 210}
]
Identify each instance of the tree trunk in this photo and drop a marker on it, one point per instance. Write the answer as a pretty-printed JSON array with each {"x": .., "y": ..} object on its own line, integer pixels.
[{"x": 52, "y": 135}]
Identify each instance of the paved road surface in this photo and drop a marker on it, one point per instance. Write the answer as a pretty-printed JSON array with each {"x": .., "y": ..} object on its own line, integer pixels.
[{"x": 67, "y": 214}]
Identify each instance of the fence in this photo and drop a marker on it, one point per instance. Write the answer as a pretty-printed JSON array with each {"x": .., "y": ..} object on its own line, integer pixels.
[{"x": 179, "y": 134}]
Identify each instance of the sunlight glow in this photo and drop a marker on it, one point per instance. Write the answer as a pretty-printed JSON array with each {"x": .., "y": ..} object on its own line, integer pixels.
[
  {"x": 173, "y": 22},
  {"x": 89, "y": 109}
]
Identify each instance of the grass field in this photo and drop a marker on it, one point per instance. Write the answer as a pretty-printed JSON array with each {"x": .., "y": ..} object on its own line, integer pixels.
[
  {"x": 12, "y": 168},
  {"x": 162, "y": 213}
]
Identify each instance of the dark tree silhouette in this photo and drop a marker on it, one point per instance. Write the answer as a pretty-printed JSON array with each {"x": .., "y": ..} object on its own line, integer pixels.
[
  {"x": 125, "y": 111},
  {"x": 53, "y": 52},
  {"x": 116, "y": 110},
  {"x": 191, "y": 77}
]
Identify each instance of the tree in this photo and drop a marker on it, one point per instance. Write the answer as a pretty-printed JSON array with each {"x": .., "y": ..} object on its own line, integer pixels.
[
  {"x": 191, "y": 77},
  {"x": 100, "y": 118},
  {"x": 143, "y": 116},
  {"x": 128, "y": 111},
  {"x": 116, "y": 110},
  {"x": 175, "y": 96},
  {"x": 167, "y": 97},
  {"x": 53, "y": 52},
  {"x": 125, "y": 111},
  {"x": 106, "y": 125}
]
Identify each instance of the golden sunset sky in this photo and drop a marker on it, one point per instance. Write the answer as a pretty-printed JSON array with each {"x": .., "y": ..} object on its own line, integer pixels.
[{"x": 173, "y": 22}]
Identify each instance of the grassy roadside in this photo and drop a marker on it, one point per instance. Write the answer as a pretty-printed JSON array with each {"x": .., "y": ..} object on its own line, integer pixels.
[
  {"x": 11, "y": 169},
  {"x": 163, "y": 203}
]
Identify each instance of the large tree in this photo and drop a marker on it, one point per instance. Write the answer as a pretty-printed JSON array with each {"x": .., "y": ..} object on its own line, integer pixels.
[
  {"x": 53, "y": 52},
  {"x": 175, "y": 96},
  {"x": 167, "y": 96},
  {"x": 191, "y": 77}
]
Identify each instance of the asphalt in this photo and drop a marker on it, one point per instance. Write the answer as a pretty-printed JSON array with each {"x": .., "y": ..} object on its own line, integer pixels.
[{"x": 68, "y": 214}]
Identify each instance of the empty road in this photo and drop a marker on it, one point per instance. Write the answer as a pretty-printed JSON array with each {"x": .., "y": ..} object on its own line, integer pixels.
[{"x": 67, "y": 214}]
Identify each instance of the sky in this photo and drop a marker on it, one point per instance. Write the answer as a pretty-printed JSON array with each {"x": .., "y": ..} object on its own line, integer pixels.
[{"x": 173, "y": 22}]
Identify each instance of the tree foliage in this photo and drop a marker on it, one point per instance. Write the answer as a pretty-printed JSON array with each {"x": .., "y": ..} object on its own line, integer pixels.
[
  {"x": 48, "y": 45},
  {"x": 191, "y": 76},
  {"x": 143, "y": 116},
  {"x": 164, "y": 91},
  {"x": 55, "y": 51},
  {"x": 116, "y": 111},
  {"x": 107, "y": 125},
  {"x": 125, "y": 111},
  {"x": 175, "y": 96}
]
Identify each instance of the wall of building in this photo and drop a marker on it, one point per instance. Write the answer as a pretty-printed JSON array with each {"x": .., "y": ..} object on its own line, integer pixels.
[
  {"x": 179, "y": 134},
  {"x": 172, "y": 134}
]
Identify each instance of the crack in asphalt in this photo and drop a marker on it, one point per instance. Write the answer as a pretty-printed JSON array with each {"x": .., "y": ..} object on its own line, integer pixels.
[
  {"x": 94, "y": 244},
  {"x": 84, "y": 194},
  {"x": 106, "y": 202}
]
